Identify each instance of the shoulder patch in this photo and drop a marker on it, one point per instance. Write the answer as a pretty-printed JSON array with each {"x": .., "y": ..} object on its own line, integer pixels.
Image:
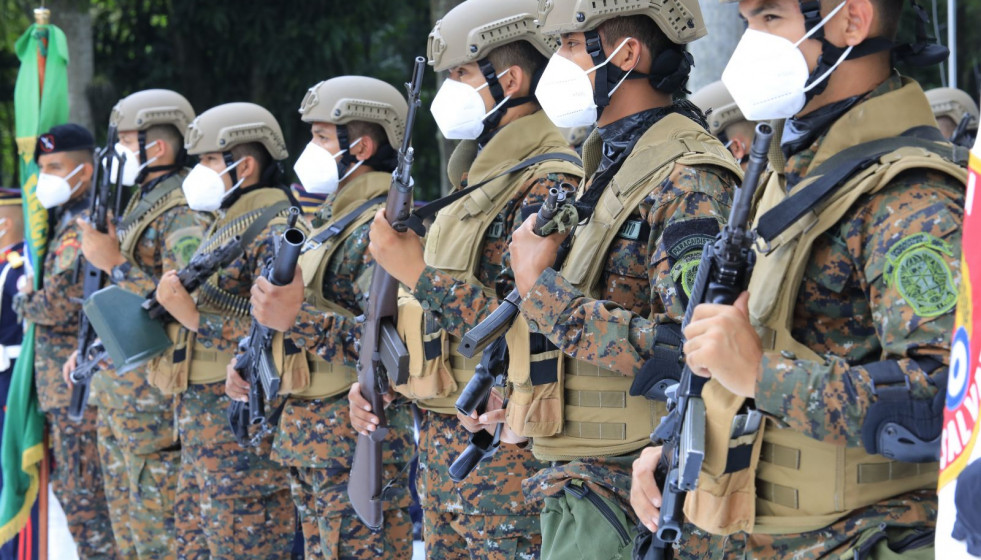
[
  {"x": 680, "y": 238},
  {"x": 920, "y": 272},
  {"x": 183, "y": 243},
  {"x": 67, "y": 252},
  {"x": 685, "y": 269}
]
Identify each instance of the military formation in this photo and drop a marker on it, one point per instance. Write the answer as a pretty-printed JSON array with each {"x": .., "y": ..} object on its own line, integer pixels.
[{"x": 557, "y": 314}]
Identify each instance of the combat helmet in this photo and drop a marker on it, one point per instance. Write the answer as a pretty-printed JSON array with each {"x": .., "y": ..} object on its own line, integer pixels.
[
  {"x": 718, "y": 105},
  {"x": 345, "y": 99},
  {"x": 680, "y": 20},
  {"x": 221, "y": 128},
  {"x": 143, "y": 109},
  {"x": 952, "y": 103}
]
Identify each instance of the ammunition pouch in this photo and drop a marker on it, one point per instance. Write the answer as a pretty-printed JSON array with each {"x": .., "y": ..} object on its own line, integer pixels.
[
  {"x": 897, "y": 425},
  {"x": 430, "y": 371},
  {"x": 169, "y": 371},
  {"x": 295, "y": 373},
  {"x": 665, "y": 366},
  {"x": 536, "y": 373},
  {"x": 327, "y": 379}
]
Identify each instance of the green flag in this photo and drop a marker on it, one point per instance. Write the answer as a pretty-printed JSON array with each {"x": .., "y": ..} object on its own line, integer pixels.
[{"x": 40, "y": 102}]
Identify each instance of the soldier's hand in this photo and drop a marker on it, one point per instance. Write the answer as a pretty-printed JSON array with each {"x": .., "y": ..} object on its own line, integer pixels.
[
  {"x": 645, "y": 496},
  {"x": 100, "y": 249},
  {"x": 25, "y": 284},
  {"x": 532, "y": 254},
  {"x": 236, "y": 388},
  {"x": 494, "y": 415},
  {"x": 400, "y": 254},
  {"x": 362, "y": 419},
  {"x": 721, "y": 343},
  {"x": 277, "y": 306},
  {"x": 175, "y": 299},
  {"x": 68, "y": 367}
]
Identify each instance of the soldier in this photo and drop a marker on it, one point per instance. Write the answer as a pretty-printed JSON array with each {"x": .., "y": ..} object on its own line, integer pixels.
[
  {"x": 853, "y": 305},
  {"x": 494, "y": 56},
  {"x": 725, "y": 120},
  {"x": 65, "y": 157},
  {"x": 949, "y": 106},
  {"x": 660, "y": 187},
  {"x": 138, "y": 445},
  {"x": 355, "y": 122},
  {"x": 232, "y": 502}
]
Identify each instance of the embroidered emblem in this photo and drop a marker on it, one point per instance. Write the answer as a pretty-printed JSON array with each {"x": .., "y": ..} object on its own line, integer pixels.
[{"x": 921, "y": 274}]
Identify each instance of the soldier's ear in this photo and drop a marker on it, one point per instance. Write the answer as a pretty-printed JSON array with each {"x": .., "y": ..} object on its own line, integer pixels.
[
  {"x": 366, "y": 148},
  {"x": 860, "y": 14},
  {"x": 513, "y": 82}
]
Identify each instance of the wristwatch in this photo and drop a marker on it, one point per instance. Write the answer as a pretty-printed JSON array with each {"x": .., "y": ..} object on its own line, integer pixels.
[{"x": 119, "y": 272}]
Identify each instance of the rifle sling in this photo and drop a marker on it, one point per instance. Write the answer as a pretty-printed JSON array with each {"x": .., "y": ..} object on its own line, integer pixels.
[
  {"x": 147, "y": 202},
  {"x": 340, "y": 225},
  {"x": 834, "y": 173},
  {"x": 416, "y": 220}
]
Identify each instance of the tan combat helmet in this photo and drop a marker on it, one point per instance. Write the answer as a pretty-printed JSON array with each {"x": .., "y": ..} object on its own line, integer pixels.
[
  {"x": 952, "y": 103},
  {"x": 719, "y": 107},
  {"x": 472, "y": 29},
  {"x": 143, "y": 109},
  {"x": 680, "y": 20},
  {"x": 357, "y": 98},
  {"x": 221, "y": 128}
]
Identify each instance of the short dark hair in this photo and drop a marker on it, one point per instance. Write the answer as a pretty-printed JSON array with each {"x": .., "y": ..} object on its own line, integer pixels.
[
  {"x": 357, "y": 129},
  {"x": 257, "y": 151},
  {"x": 169, "y": 134},
  {"x": 642, "y": 28},
  {"x": 888, "y": 13},
  {"x": 518, "y": 53},
  {"x": 84, "y": 155}
]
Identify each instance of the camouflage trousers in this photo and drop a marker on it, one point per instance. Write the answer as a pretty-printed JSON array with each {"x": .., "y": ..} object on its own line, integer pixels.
[
  {"x": 140, "y": 459},
  {"x": 232, "y": 503},
  {"x": 331, "y": 529},
  {"x": 900, "y": 527},
  {"x": 485, "y": 516},
  {"x": 77, "y": 483}
]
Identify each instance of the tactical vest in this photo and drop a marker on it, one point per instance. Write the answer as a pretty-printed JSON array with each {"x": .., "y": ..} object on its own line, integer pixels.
[
  {"x": 456, "y": 237},
  {"x": 207, "y": 365},
  {"x": 803, "y": 484},
  {"x": 143, "y": 210},
  {"x": 328, "y": 379},
  {"x": 598, "y": 417}
]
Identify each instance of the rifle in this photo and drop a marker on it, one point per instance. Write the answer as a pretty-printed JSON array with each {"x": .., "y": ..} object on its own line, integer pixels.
[
  {"x": 497, "y": 323},
  {"x": 106, "y": 195},
  {"x": 201, "y": 267},
  {"x": 490, "y": 372},
  {"x": 383, "y": 360},
  {"x": 255, "y": 361},
  {"x": 723, "y": 274},
  {"x": 959, "y": 137}
]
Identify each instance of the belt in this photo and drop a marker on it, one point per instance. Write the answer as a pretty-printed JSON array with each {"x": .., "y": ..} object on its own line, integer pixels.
[{"x": 7, "y": 355}]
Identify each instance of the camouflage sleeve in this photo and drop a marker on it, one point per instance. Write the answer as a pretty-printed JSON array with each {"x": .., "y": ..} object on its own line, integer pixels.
[
  {"x": 56, "y": 302},
  {"x": 905, "y": 246},
  {"x": 181, "y": 230},
  {"x": 346, "y": 267},
  {"x": 459, "y": 305},
  {"x": 329, "y": 335},
  {"x": 232, "y": 328},
  {"x": 683, "y": 212}
]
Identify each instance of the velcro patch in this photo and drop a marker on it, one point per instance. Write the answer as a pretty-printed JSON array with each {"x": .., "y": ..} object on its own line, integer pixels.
[{"x": 920, "y": 272}]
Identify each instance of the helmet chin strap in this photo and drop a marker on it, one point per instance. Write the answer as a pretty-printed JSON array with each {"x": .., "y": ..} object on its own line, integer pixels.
[
  {"x": 501, "y": 102},
  {"x": 147, "y": 169}
]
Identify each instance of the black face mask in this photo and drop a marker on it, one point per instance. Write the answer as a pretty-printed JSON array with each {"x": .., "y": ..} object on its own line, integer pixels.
[{"x": 801, "y": 132}]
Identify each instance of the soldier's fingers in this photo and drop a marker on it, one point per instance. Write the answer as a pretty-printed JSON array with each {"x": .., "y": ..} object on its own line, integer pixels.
[
  {"x": 697, "y": 364},
  {"x": 645, "y": 496},
  {"x": 493, "y": 417},
  {"x": 469, "y": 423}
]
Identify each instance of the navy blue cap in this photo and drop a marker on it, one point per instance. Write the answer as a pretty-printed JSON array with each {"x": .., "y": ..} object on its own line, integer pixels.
[{"x": 64, "y": 138}]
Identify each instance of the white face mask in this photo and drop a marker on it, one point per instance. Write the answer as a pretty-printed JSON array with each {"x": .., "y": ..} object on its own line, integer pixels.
[
  {"x": 766, "y": 75},
  {"x": 131, "y": 165},
  {"x": 53, "y": 190},
  {"x": 459, "y": 110},
  {"x": 317, "y": 169},
  {"x": 204, "y": 189},
  {"x": 565, "y": 94}
]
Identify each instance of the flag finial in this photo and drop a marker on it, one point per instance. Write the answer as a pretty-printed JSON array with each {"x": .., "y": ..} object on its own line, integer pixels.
[{"x": 42, "y": 15}]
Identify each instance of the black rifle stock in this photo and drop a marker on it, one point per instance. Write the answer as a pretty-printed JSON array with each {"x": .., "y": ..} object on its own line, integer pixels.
[
  {"x": 499, "y": 321},
  {"x": 959, "y": 137},
  {"x": 383, "y": 360},
  {"x": 255, "y": 362},
  {"x": 106, "y": 196},
  {"x": 196, "y": 272},
  {"x": 723, "y": 274},
  {"x": 490, "y": 372}
]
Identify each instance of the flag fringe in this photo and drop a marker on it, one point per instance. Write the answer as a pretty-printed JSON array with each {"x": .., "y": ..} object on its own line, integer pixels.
[{"x": 31, "y": 458}]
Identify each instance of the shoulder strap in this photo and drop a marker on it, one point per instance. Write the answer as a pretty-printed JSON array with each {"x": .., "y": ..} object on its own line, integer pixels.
[
  {"x": 146, "y": 203},
  {"x": 338, "y": 226},
  {"x": 420, "y": 215},
  {"x": 256, "y": 227},
  {"x": 834, "y": 173}
]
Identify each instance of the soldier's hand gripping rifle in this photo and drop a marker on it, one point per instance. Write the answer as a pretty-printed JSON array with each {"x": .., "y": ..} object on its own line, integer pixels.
[
  {"x": 723, "y": 274},
  {"x": 106, "y": 196},
  {"x": 197, "y": 272},
  {"x": 383, "y": 360},
  {"x": 255, "y": 361}
]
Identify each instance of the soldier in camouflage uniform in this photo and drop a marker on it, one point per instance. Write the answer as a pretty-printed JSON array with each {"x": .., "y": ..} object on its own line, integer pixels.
[
  {"x": 949, "y": 105},
  {"x": 659, "y": 187},
  {"x": 232, "y": 502},
  {"x": 137, "y": 438},
  {"x": 853, "y": 307},
  {"x": 725, "y": 120},
  {"x": 355, "y": 122},
  {"x": 463, "y": 271},
  {"x": 64, "y": 155}
]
